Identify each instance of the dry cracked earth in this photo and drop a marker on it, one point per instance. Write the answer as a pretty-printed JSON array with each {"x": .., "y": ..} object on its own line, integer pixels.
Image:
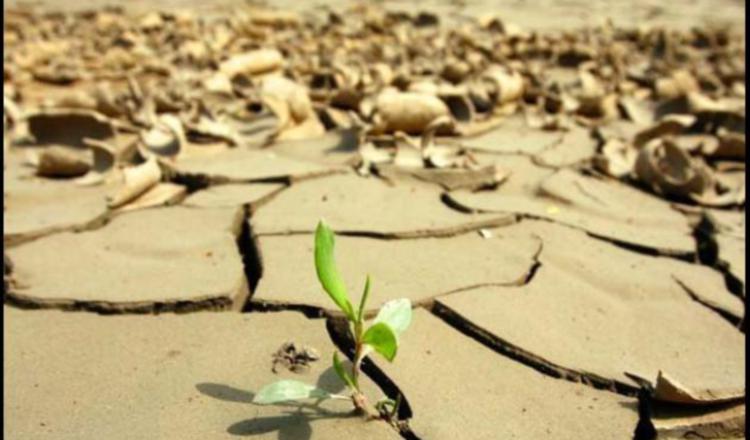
[{"x": 564, "y": 208}]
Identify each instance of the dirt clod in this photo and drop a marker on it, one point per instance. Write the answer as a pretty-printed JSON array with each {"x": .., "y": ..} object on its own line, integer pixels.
[{"x": 294, "y": 357}]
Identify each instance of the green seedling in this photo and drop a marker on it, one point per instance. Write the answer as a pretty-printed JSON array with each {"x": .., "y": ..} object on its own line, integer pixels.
[{"x": 380, "y": 336}]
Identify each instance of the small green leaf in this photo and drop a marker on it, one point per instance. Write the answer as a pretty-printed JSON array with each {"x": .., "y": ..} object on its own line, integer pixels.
[
  {"x": 328, "y": 275},
  {"x": 341, "y": 372},
  {"x": 363, "y": 301},
  {"x": 285, "y": 390},
  {"x": 397, "y": 314},
  {"x": 385, "y": 403},
  {"x": 381, "y": 337}
]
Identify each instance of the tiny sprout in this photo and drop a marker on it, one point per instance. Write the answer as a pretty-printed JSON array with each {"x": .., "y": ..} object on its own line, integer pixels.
[{"x": 380, "y": 336}]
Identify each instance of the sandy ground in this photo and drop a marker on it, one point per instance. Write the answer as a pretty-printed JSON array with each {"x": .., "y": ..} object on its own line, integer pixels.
[{"x": 159, "y": 252}]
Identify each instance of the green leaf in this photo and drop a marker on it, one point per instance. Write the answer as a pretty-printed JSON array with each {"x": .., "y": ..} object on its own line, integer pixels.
[
  {"x": 397, "y": 314},
  {"x": 383, "y": 404},
  {"x": 343, "y": 375},
  {"x": 388, "y": 406},
  {"x": 381, "y": 337},
  {"x": 363, "y": 301},
  {"x": 285, "y": 390},
  {"x": 325, "y": 266}
]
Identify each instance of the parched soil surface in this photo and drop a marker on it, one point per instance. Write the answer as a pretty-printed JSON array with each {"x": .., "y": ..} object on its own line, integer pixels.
[{"x": 561, "y": 197}]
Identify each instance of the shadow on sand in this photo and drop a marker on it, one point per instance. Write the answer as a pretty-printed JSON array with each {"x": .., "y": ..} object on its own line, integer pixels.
[{"x": 293, "y": 423}]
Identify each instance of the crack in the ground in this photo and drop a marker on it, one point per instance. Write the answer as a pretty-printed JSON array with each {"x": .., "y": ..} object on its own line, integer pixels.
[
  {"x": 106, "y": 217},
  {"x": 645, "y": 429},
  {"x": 110, "y": 308},
  {"x": 737, "y": 288},
  {"x": 688, "y": 256},
  {"x": 7, "y": 272},
  {"x": 536, "y": 263},
  {"x": 447, "y": 232},
  {"x": 707, "y": 248},
  {"x": 99, "y": 222},
  {"x": 732, "y": 319},
  {"x": 734, "y": 284},
  {"x": 451, "y": 203},
  {"x": 533, "y": 267},
  {"x": 341, "y": 336},
  {"x": 639, "y": 249},
  {"x": 192, "y": 183},
  {"x": 203, "y": 180},
  {"x": 314, "y": 312},
  {"x": 311, "y": 312},
  {"x": 250, "y": 253},
  {"x": 708, "y": 254},
  {"x": 527, "y": 358}
]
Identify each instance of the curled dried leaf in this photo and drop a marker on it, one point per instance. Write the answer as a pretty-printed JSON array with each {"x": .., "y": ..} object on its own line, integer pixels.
[
  {"x": 252, "y": 63},
  {"x": 136, "y": 181},
  {"x": 669, "y": 125},
  {"x": 161, "y": 194},
  {"x": 214, "y": 130},
  {"x": 461, "y": 107},
  {"x": 617, "y": 158},
  {"x": 104, "y": 162},
  {"x": 504, "y": 85},
  {"x": 166, "y": 137},
  {"x": 406, "y": 111},
  {"x": 669, "y": 170},
  {"x": 291, "y": 104},
  {"x": 62, "y": 162},
  {"x": 668, "y": 389}
]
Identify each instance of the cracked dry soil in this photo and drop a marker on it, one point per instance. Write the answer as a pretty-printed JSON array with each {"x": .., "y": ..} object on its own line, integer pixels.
[{"x": 562, "y": 201}]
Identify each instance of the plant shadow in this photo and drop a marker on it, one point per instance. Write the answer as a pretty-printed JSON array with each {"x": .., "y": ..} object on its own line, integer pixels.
[{"x": 294, "y": 423}]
